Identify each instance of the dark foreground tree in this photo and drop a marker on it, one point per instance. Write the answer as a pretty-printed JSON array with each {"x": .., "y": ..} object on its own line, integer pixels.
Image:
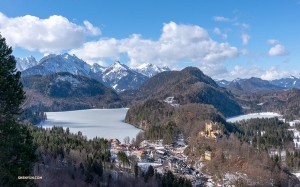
[
  {"x": 17, "y": 152},
  {"x": 11, "y": 89}
]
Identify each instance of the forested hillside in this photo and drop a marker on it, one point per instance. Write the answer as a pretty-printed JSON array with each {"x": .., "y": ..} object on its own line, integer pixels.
[
  {"x": 189, "y": 85},
  {"x": 286, "y": 103},
  {"x": 65, "y": 91},
  {"x": 163, "y": 121}
]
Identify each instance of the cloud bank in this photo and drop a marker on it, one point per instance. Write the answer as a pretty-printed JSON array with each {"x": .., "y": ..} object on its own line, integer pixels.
[
  {"x": 49, "y": 35},
  {"x": 177, "y": 42},
  {"x": 278, "y": 50}
]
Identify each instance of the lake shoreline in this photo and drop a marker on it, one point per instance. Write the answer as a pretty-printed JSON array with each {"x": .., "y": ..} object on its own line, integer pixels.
[
  {"x": 103, "y": 123},
  {"x": 253, "y": 115}
]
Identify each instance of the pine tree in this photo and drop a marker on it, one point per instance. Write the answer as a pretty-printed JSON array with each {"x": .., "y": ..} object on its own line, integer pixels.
[
  {"x": 11, "y": 89},
  {"x": 89, "y": 178},
  {"x": 17, "y": 152},
  {"x": 150, "y": 171},
  {"x": 136, "y": 170}
]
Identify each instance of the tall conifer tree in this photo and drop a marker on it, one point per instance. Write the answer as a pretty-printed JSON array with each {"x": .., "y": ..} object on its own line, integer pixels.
[{"x": 17, "y": 152}]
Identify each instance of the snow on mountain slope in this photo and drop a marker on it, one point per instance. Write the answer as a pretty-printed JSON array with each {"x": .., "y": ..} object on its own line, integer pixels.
[
  {"x": 288, "y": 82},
  {"x": 150, "y": 70},
  {"x": 25, "y": 63},
  {"x": 59, "y": 63},
  {"x": 74, "y": 81},
  {"x": 222, "y": 83},
  {"x": 121, "y": 77},
  {"x": 115, "y": 72},
  {"x": 97, "y": 68}
]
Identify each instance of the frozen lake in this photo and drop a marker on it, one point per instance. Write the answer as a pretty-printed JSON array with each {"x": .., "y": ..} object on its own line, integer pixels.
[
  {"x": 106, "y": 123},
  {"x": 253, "y": 115}
]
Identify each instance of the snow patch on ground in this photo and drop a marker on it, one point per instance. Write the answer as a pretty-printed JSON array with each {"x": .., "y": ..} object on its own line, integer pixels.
[
  {"x": 68, "y": 78},
  {"x": 253, "y": 115}
]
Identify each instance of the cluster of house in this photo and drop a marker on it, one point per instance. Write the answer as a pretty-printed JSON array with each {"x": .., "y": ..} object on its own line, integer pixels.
[
  {"x": 116, "y": 144},
  {"x": 178, "y": 166},
  {"x": 144, "y": 153}
]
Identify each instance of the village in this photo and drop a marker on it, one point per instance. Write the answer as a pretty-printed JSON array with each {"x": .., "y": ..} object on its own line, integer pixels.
[
  {"x": 166, "y": 157},
  {"x": 170, "y": 157}
]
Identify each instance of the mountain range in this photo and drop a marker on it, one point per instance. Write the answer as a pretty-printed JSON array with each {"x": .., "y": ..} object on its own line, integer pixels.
[
  {"x": 252, "y": 85},
  {"x": 117, "y": 76},
  {"x": 282, "y": 84},
  {"x": 121, "y": 77}
]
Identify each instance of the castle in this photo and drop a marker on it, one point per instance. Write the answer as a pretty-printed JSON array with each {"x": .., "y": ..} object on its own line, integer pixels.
[{"x": 211, "y": 130}]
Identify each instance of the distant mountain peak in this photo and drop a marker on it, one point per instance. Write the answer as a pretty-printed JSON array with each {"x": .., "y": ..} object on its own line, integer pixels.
[
  {"x": 25, "y": 63},
  {"x": 59, "y": 63},
  {"x": 236, "y": 80},
  {"x": 150, "y": 70},
  {"x": 291, "y": 77},
  {"x": 97, "y": 68},
  {"x": 287, "y": 82}
]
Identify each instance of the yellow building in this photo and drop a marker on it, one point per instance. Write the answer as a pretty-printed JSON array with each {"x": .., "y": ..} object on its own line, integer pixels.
[
  {"x": 211, "y": 129},
  {"x": 207, "y": 155}
]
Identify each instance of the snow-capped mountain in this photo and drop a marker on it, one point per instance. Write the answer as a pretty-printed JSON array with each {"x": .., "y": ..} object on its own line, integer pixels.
[
  {"x": 222, "y": 83},
  {"x": 117, "y": 76},
  {"x": 239, "y": 80},
  {"x": 288, "y": 82},
  {"x": 121, "y": 77},
  {"x": 59, "y": 63},
  {"x": 97, "y": 68},
  {"x": 150, "y": 70},
  {"x": 25, "y": 63}
]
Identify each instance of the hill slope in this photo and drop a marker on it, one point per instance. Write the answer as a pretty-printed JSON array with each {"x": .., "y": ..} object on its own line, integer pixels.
[
  {"x": 286, "y": 103},
  {"x": 189, "y": 85},
  {"x": 252, "y": 85},
  {"x": 65, "y": 91}
]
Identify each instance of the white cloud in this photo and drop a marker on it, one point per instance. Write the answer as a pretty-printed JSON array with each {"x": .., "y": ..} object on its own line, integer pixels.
[
  {"x": 246, "y": 26},
  {"x": 243, "y": 25},
  {"x": 245, "y": 52},
  {"x": 245, "y": 38},
  {"x": 224, "y": 36},
  {"x": 94, "y": 31},
  {"x": 177, "y": 42},
  {"x": 49, "y": 35},
  {"x": 273, "y": 73},
  {"x": 93, "y": 52},
  {"x": 272, "y": 41},
  {"x": 220, "y": 18},
  {"x": 216, "y": 70},
  {"x": 217, "y": 30},
  {"x": 278, "y": 50},
  {"x": 241, "y": 72},
  {"x": 254, "y": 71}
]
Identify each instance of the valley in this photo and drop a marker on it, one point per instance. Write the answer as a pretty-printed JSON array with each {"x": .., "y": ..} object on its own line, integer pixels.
[{"x": 180, "y": 124}]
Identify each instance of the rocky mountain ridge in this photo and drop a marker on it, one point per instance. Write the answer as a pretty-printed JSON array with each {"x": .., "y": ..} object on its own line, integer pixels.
[{"x": 117, "y": 76}]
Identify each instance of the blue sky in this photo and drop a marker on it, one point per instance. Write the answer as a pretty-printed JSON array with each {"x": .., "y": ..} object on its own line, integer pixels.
[{"x": 225, "y": 39}]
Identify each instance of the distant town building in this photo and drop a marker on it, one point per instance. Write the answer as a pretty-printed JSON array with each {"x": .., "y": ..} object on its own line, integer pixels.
[
  {"x": 141, "y": 155},
  {"x": 207, "y": 155},
  {"x": 169, "y": 100},
  {"x": 115, "y": 142}
]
